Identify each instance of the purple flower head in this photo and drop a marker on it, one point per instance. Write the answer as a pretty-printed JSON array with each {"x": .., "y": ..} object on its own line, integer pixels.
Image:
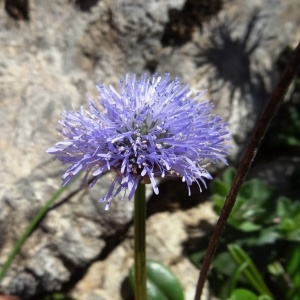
[{"x": 152, "y": 128}]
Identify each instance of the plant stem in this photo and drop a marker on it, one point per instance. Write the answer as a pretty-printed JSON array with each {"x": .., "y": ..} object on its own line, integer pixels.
[
  {"x": 140, "y": 242},
  {"x": 260, "y": 129},
  {"x": 251, "y": 272},
  {"x": 29, "y": 229}
]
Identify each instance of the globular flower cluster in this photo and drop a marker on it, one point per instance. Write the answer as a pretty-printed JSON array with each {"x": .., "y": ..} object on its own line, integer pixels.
[{"x": 153, "y": 127}]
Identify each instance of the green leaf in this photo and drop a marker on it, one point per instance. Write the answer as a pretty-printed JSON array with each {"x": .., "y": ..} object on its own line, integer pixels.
[
  {"x": 57, "y": 296},
  {"x": 228, "y": 176},
  {"x": 197, "y": 257},
  {"x": 236, "y": 276},
  {"x": 280, "y": 278},
  {"x": 284, "y": 207},
  {"x": 268, "y": 235},
  {"x": 276, "y": 269},
  {"x": 264, "y": 297},
  {"x": 161, "y": 282},
  {"x": 252, "y": 208},
  {"x": 249, "y": 226},
  {"x": 242, "y": 294},
  {"x": 220, "y": 188},
  {"x": 251, "y": 272},
  {"x": 288, "y": 214},
  {"x": 224, "y": 264},
  {"x": 256, "y": 190},
  {"x": 218, "y": 203},
  {"x": 290, "y": 140},
  {"x": 292, "y": 268},
  {"x": 293, "y": 262}
]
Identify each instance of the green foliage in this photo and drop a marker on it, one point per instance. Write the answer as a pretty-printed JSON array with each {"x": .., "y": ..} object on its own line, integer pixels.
[
  {"x": 243, "y": 294},
  {"x": 246, "y": 265},
  {"x": 161, "y": 282},
  {"x": 258, "y": 210},
  {"x": 288, "y": 213},
  {"x": 284, "y": 132},
  {"x": 289, "y": 135},
  {"x": 57, "y": 296},
  {"x": 259, "y": 252},
  {"x": 292, "y": 269}
]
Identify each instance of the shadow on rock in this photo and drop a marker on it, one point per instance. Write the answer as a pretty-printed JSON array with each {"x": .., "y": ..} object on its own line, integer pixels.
[
  {"x": 182, "y": 23},
  {"x": 233, "y": 59}
]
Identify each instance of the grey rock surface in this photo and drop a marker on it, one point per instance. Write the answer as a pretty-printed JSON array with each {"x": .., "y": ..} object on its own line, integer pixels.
[
  {"x": 163, "y": 244},
  {"x": 51, "y": 53}
]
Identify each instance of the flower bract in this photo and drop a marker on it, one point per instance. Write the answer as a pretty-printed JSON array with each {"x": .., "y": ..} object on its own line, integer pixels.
[{"x": 152, "y": 127}]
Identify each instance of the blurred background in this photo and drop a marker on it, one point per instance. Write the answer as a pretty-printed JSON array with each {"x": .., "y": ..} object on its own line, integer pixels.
[{"x": 51, "y": 55}]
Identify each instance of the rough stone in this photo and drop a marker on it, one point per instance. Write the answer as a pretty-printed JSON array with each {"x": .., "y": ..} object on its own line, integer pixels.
[
  {"x": 165, "y": 232},
  {"x": 51, "y": 53}
]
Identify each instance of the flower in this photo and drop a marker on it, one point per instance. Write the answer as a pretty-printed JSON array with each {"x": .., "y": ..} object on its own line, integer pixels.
[{"x": 152, "y": 128}]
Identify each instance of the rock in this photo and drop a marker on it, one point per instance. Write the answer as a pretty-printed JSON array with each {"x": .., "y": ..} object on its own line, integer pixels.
[
  {"x": 9, "y": 298},
  {"x": 51, "y": 53},
  {"x": 165, "y": 234}
]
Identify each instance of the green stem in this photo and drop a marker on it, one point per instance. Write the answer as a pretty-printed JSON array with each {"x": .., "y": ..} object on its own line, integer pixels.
[
  {"x": 29, "y": 229},
  {"x": 235, "y": 277},
  {"x": 251, "y": 272},
  {"x": 140, "y": 242}
]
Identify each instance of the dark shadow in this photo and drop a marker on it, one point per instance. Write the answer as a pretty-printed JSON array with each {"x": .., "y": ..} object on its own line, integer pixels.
[
  {"x": 126, "y": 291},
  {"x": 283, "y": 136},
  {"x": 173, "y": 195},
  {"x": 231, "y": 58},
  {"x": 183, "y": 22},
  {"x": 198, "y": 237},
  {"x": 151, "y": 65},
  {"x": 17, "y": 9},
  {"x": 85, "y": 5}
]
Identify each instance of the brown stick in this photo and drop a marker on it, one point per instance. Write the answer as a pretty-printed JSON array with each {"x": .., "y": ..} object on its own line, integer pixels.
[{"x": 260, "y": 129}]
